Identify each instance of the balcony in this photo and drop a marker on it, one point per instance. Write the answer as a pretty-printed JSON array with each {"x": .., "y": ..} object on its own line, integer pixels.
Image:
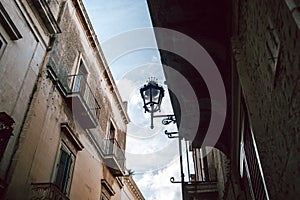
[
  {"x": 79, "y": 97},
  {"x": 114, "y": 157},
  {"x": 201, "y": 190},
  {"x": 46, "y": 191}
]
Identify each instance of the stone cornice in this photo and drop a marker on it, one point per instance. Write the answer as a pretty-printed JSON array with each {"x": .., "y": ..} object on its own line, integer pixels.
[
  {"x": 67, "y": 130},
  {"x": 133, "y": 188}
]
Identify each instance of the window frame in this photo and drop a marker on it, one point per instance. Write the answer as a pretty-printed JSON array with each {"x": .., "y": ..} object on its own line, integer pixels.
[
  {"x": 6, "y": 131},
  {"x": 70, "y": 143},
  {"x": 76, "y": 77},
  {"x": 3, "y": 45},
  {"x": 109, "y": 134},
  {"x": 110, "y": 137},
  {"x": 8, "y": 24},
  {"x": 106, "y": 190},
  {"x": 247, "y": 135},
  {"x": 104, "y": 197},
  {"x": 65, "y": 189}
]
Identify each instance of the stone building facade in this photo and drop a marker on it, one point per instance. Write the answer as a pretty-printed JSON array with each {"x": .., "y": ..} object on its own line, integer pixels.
[
  {"x": 256, "y": 47},
  {"x": 24, "y": 39},
  {"x": 61, "y": 104},
  {"x": 266, "y": 54},
  {"x": 210, "y": 178}
]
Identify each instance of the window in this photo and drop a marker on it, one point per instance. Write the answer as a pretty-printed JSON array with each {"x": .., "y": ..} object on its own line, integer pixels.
[
  {"x": 3, "y": 44},
  {"x": 8, "y": 24},
  {"x": 106, "y": 190},
  {"x": 64, "y": 169},
  {"x": 6, "y": 129},
  {"x": 80, "y": 78},
  {"x": 44, "y": 13},
  {"x": 112, "y": 131},
  {"x": 69, "y": 147},
  {"x": 110, "y": 139},
  {"x": 103, "y": 197},
  {"x": 250, "y": 158}
]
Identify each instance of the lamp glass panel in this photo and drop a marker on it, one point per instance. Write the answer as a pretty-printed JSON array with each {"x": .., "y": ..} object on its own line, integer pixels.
[
  {"x": 146, "y": 94},
  {"x": 155, "y": 95}
]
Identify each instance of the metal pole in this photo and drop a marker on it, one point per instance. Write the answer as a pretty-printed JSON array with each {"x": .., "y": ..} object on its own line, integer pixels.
[
  {"x": 162, "y": 115},
  {"x": 151, "y": 126},
  {"x": 201, "y": 165},
  {"x": 188, "y": 162},
  {"x": 181, "y": 167}
]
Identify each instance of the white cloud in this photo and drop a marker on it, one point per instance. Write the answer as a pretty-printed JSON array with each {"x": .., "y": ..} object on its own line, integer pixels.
[
  {"x": 155, "y": 58},
  {"x": 126, "y": 88},
  {"x": 144, "y": 154},
  {"x": 157, "y": 185}
]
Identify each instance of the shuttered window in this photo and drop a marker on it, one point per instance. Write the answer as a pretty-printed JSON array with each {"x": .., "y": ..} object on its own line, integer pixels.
[{"x": 63, "y": 170}]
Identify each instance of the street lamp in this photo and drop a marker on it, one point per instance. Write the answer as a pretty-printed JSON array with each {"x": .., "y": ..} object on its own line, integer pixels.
[{"x": 152, "y": 95}]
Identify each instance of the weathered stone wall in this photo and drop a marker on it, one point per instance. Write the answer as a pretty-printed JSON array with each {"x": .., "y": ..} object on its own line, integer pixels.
[
  {"x": 272, "y": 91},
  {"x": 68, "y": 49},
  {"x": 39, "y": 142},
  {"x": 36, "y": 158},
  {"x": 20, "y": 62}
]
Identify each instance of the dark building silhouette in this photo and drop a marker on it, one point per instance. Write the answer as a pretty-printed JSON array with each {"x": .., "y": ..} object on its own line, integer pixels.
[{"x": 256, "y": 48}]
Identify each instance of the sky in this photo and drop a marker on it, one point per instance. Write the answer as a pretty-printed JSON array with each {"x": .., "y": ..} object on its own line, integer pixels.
[{"x": 149, "y": 153}]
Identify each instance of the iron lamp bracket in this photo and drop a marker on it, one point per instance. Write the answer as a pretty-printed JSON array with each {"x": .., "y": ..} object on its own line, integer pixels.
[{"x": 171, "y": 134}]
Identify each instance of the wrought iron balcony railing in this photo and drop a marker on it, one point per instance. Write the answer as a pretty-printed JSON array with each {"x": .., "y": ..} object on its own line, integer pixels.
[
  {"x": 46, "y": 191},
  {"x": 114, "y": 157},
  {"x": 79, "y": 96}
]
